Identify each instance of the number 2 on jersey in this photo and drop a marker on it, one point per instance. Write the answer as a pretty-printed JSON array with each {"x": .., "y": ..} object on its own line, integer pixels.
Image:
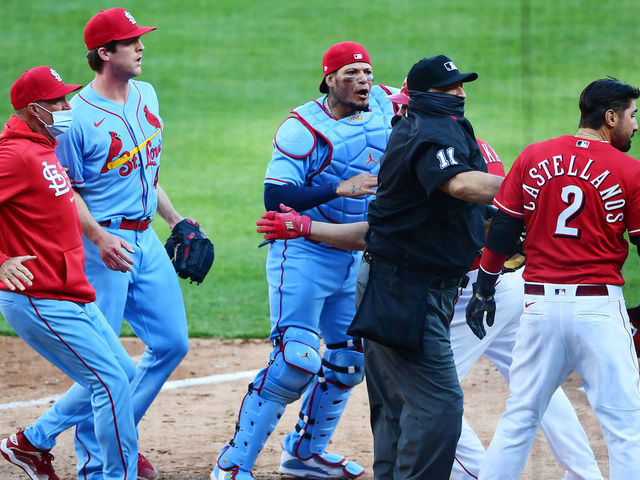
[{"x": 573, "y": 197}]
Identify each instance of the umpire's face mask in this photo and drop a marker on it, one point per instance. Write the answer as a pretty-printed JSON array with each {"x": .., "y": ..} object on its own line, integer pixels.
[{"x": 444, "y": 102}]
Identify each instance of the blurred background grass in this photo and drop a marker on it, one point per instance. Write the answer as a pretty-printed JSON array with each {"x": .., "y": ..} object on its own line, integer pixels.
[{"x": 227, "y": 73}]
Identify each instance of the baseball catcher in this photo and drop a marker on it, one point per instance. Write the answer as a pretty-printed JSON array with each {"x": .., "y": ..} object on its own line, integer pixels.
[{"x": 190, "y": 251}]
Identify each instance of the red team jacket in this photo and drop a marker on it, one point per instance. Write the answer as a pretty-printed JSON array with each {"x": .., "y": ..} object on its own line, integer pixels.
[
  {"x": 38, "y": 215},
  {"x": 577, "y": 197}
]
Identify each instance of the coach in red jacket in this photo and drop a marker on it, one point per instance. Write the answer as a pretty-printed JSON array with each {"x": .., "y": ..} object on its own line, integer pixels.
[{"x": 44, "y": 293}]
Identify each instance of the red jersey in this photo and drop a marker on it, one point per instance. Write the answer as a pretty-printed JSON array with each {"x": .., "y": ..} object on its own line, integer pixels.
[
  {"x": 577, "y": 197},
  {"x": 494, "y": 164},
  {"x": 494, "y": 167},
  {"x": 38, "y": 216}
]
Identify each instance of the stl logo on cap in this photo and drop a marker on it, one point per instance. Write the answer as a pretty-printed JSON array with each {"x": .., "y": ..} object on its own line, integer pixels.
[
  {"x": 450, "y": 66},
  {"x": 130, "y": 17},
  {"x": 55, "y": 75}
]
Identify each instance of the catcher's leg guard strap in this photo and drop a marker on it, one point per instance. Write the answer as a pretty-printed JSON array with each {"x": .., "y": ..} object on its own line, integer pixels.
[
  {"x": 257, "y": 419},
  {"x": 345, "y": 365},
  {"x": 321, "y": 410}
]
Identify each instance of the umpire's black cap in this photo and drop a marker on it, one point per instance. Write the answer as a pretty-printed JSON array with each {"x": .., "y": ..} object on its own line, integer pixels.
[{"x": 438, "y": 71}]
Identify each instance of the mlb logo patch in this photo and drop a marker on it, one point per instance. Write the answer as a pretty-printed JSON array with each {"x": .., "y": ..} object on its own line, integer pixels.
[
  {"x": 450, "y": 66},
  {"x": 561, "y": 291},
  {"x": 582, "y": 144},
  {"x": 357, "y": 56}
]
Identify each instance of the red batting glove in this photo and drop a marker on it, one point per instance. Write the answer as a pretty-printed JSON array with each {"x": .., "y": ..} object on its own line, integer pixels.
[{"x": 284, "y": 226}]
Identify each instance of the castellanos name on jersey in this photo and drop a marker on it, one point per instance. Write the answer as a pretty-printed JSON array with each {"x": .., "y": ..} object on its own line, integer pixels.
[
  {"x": 580, "y": 168},
  {"x": 115, "y": 148}
]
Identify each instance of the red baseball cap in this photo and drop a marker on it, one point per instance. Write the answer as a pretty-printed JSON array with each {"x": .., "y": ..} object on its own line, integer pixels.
[
  {"x": 112, "y": 24},
  {"x": 338, "y": 56},
  {"x": 402, "y": 97},
  {"x": 39, "y": 83}
]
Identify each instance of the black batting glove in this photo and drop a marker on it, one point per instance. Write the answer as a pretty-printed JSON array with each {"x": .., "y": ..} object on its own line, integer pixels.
[
  {"x": 482, "y": 303},
  {"x": 477, "y": 307}
]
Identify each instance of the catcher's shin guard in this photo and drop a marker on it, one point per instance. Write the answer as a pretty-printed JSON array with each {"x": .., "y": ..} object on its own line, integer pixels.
[
  {"x": 325, "y": 400},
  {"x": 256, "y": 420}
]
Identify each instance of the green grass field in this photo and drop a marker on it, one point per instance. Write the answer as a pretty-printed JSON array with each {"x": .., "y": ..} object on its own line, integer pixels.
[{"x": 228, "y": 72}]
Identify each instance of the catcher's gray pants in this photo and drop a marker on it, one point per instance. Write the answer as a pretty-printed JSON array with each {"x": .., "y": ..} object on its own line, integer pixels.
[{"x": 415, "y": 399}]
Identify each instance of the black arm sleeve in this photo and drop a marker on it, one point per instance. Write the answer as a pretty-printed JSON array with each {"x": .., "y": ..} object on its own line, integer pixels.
[
  {"x": 636, "y": 241},
  {"x": 504, "y": 233},
  {"x": 298, "y": 198}
]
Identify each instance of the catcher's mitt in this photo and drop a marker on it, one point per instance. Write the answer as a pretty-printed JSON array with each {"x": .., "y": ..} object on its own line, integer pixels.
[{"x": 190, "y": 251}]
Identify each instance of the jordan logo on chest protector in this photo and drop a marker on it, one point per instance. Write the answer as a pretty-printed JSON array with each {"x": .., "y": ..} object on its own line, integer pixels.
[
  {"x": 58, "y": 182},
  {"x": 371, "y": 160}
]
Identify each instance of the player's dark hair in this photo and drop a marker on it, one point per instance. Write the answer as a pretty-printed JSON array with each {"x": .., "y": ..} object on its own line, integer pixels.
[
  {"x": 95, "y": 62},
  {"x": 602, "y": 95}
]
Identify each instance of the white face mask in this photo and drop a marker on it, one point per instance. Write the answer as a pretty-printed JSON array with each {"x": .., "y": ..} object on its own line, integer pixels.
[{"x": 62, "y": 120}]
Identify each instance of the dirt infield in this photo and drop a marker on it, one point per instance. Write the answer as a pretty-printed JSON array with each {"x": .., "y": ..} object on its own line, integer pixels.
[{"x": 186, "y": 427}]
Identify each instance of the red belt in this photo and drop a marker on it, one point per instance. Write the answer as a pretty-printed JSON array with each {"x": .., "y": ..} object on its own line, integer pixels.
[
  {"x": 581, "y": 290},
  {"x": 139, "y": 225}
]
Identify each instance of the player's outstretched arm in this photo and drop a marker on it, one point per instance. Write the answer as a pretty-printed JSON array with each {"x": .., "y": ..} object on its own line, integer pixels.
[
  {"x": 111, "y": 247},
  {"x": 289, "y": 224},
  {"x": 16, "y": 275}
]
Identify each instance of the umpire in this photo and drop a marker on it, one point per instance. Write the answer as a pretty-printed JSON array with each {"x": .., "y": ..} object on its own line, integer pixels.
[{"x": 425, "y": 229}]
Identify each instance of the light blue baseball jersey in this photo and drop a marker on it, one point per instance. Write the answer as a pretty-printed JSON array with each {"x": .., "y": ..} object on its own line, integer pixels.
[
  {"x": 314, "y": 148},
  {"x": 113, "y": 152}
]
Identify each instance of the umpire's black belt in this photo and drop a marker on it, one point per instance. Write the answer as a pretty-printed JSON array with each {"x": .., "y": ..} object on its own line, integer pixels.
[
  {"x": 125, "y": 224},
  {"x": 437, "y": 283}
]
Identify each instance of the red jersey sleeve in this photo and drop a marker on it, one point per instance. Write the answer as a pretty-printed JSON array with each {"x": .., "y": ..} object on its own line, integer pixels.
[
  {"x": 632, "y": 213},
  {"x": 509, "y": 198}
]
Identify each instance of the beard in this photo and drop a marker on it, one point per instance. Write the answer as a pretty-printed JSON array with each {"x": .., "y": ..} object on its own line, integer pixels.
[
  {"x": 626, "y": 147},
  {"x": 619, "y": 142},
  {"x": 356, "y": 107}
]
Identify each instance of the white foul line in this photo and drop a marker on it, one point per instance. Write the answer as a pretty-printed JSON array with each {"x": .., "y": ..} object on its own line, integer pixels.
[{"x": 170, "y": 385}]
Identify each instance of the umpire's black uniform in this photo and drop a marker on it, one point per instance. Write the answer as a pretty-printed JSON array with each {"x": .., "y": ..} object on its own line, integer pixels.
[{"x": 420, "y": 244}]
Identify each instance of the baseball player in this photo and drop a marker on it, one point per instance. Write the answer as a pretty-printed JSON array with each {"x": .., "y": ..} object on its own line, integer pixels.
[
  {"x": 113, "y": 152},
  {"x": 325, "y": 161},
  {"x": 44, "y": 293},
  {"x": 576, "y": 195}
]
